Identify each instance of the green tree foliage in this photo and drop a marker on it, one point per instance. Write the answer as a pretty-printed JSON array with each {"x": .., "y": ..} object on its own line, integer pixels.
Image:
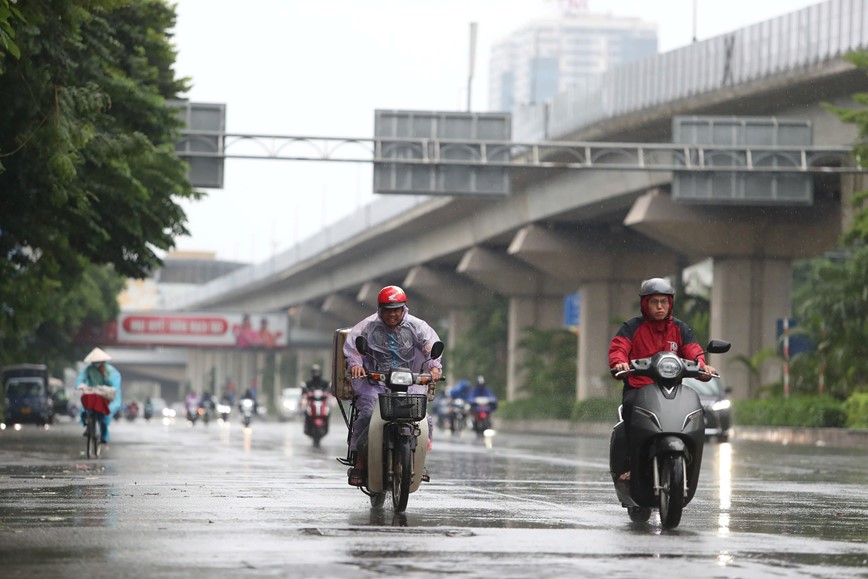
[
  {"x": 695, "y": 310},
  {"x": 43, "y": 330},
  {"x": 831, "y": 304},
  {"x": 89, "y": 177},
  {"x": 858, "y": 115},
  {"x": 830, "y": 296},
  {"x": 483, "y": 349},
  {"x": 856, "y": 408},
  {"x": 9, "y": 14},
  {"x": 550, "y": 358}
]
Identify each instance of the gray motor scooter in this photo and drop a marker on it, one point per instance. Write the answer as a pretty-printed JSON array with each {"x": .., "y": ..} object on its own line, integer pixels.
[{"x": 667, "y": 435}]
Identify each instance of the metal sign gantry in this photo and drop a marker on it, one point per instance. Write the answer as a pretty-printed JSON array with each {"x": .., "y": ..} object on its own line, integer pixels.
[{"x": 575, "y": 155}]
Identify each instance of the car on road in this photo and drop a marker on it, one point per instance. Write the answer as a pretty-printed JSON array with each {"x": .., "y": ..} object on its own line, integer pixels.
[
  {"x": 27, "y": 394},
  {"x": 290, "y": 403},
  {"x": 714, "y": 396},
  {"x": 60, "y": 398}
]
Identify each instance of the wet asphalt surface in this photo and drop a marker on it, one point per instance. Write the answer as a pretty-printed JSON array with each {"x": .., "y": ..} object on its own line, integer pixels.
[{"x": 168, "y": 500}]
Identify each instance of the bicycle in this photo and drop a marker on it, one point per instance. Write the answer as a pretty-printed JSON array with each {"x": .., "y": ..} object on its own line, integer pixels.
[
  {"x": 93, "y": 404},
  {"x": 92, "y": 436}
]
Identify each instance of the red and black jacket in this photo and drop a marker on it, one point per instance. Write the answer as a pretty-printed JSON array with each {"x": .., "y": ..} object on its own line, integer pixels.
[{"x": 642, "y": 337}]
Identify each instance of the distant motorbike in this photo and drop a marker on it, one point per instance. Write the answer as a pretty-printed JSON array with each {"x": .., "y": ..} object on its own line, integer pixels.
[
  {"x": 223, "y": 409},
  {"x": 481, "y": 409},
  {"x": 667, "y": 433},
  {"x": 248, "y": 408},
  {"x": 397, "y": 439},
  {"x": 149, "y": 411},
  {"x": 316, "y": 414},
  {"x": 132, "y": 411},
  {"x": 458, "y": 409},
  {"x": 207, "y": 410}
]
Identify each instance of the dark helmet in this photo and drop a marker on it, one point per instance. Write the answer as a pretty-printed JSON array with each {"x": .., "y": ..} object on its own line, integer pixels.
[
  {"x": 656, "y": 285},
  {"x": 316, "y": 371},
  {"x": 391, "y": 297}
]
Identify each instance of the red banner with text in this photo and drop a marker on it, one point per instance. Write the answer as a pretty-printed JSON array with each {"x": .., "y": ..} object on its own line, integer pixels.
[{"x": 202, "y": 329}]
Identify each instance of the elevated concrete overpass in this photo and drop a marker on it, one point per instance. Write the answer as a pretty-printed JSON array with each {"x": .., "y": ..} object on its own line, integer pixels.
[{"x": 600, "y": 232}]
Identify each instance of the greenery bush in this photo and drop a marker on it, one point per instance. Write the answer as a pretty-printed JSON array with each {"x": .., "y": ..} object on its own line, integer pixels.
[
  {"x": 809, "y": 411},
  {"x": 856, "y": 408},
  {"x": 596, "y": 410},
  {"x": 535, "y": 408}
]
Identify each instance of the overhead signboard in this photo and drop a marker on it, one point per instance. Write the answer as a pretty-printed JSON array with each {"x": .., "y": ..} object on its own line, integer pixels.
[
  {"x": 442, "y": 153},
  {"x": 207, "y": 329},
  {"x": 768, "y": 181},
  {"x": 202, "y": 143}
]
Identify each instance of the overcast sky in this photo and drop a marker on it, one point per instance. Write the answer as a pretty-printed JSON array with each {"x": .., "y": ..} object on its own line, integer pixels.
[{"x": 321, "y": 68}]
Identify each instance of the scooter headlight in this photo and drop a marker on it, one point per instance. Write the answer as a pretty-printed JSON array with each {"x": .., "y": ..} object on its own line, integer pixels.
[
  {"x": 669, "y": 367},
  {"x": 402, "y": 378}
]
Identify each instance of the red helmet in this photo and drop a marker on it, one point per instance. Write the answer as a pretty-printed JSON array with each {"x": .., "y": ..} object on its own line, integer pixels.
[{"x": 391, "y": 297}]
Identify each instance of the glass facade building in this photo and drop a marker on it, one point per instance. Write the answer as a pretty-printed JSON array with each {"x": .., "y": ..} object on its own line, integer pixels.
[{"x": 551, "y": 56}]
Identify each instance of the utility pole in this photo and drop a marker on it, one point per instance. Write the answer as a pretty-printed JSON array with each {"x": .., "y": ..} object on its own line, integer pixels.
[
  {"x": 694, "y": 20},
  {"x": 472, "y": 61}
]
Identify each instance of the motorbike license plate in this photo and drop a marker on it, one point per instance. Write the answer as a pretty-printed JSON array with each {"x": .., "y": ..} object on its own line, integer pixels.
[{"x": 25, "y": 410}]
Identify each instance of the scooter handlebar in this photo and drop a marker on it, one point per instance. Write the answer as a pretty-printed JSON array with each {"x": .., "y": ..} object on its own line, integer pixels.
[{"x": 621, "y": 374}]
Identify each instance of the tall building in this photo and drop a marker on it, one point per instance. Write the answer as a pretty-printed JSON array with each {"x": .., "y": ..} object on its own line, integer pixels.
[{"x": 553, "y": 55}]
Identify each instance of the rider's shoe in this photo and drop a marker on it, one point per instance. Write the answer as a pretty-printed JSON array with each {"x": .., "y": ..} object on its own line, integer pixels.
[{"x": 425, "y": 477}]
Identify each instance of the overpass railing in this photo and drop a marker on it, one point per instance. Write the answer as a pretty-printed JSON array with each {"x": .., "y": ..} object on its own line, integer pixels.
[{"x": 791, "y": 42}]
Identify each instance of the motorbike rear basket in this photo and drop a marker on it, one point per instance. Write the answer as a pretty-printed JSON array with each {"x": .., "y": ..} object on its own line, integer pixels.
[{"x": 397, "y": 406}]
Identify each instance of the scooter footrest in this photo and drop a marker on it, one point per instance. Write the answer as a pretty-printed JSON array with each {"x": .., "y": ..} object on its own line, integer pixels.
[
  {"x": 426, "y": 478},
  {"x": 345, "y": 461}
]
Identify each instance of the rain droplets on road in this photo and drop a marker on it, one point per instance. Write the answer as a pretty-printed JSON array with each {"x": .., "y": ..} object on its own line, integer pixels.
[{"x": 215, "y": 501}]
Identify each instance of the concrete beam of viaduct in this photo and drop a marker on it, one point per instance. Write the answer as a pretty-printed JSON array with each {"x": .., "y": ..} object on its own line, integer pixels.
[{"x": 606, "y": 264}]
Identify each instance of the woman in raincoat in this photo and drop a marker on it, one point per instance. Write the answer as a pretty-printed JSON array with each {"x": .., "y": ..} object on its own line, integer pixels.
[{"x": 99, "y": 377}]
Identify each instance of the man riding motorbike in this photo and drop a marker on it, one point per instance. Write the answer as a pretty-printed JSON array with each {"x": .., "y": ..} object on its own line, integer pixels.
[
  {"x": 654, "y": 331},
  {"x": 481, "y": 391},
  {"x": 395, "y": 339},
  {"x": 316, "y": 380}
]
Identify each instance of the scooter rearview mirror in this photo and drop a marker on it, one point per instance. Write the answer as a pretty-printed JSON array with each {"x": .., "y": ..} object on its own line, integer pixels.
[
  {"x": 362, "y": 345},
  {"x": 718, "y": 347},
  {"x": 437, "y": 350}
]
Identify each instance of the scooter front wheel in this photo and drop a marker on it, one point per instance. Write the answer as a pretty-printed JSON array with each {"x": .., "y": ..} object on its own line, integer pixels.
[
  {"x": 401, "y": 472},
  {"x": 671, "y": 499}
]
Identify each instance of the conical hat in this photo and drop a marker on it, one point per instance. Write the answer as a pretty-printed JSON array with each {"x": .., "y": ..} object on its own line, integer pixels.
[{"x": 97, "y": 355}]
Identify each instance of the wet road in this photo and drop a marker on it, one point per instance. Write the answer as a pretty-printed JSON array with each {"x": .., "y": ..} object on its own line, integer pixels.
[{"x": 219, "y": 501}]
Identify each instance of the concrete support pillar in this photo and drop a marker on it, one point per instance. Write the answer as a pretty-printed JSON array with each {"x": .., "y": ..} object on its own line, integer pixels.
[
  {"x": 460, "y": 323},
  {"x": 749, "y": 296},
  {"x": 527, "y": 312},
  {"x": 604, "y": 306}
]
